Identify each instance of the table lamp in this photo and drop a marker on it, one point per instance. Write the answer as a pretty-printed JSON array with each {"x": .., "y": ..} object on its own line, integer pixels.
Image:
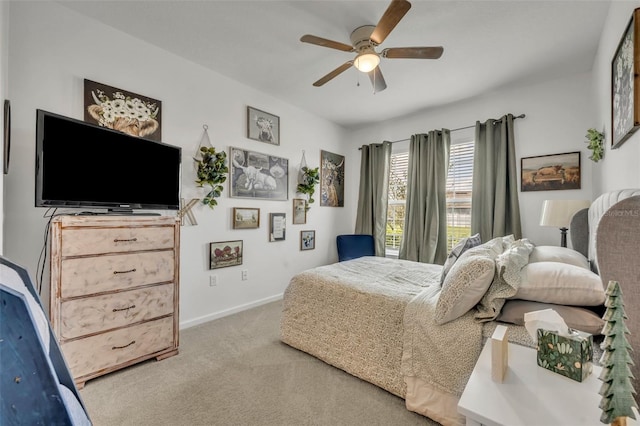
[{"x": 558, "y": 213}]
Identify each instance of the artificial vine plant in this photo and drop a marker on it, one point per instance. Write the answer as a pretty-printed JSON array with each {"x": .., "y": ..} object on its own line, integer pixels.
[
  {"x": 212, "y": 171},
  {"x": 595, "y": 139},
  {"x": 309, "y": 179}
]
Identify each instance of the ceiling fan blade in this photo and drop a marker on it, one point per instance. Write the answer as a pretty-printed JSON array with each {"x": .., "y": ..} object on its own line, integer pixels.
[
  {"x": 394, "y": 13},
  {"x": 377, "y": 80},
  {"x": 413, "y": 52},
  {"x": 342, "y": 68},
  {"x": 319, "y": 41}
]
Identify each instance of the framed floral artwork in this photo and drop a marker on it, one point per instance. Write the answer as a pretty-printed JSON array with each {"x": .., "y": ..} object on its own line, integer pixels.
[
  {"x": 118, "y": 109},
  {"x": 625, "y": 81}
]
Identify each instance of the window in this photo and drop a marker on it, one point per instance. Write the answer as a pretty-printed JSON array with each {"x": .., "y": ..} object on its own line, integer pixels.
[
  {"x": 397, "y": 198},
  {"x": 459, "y": 182}
]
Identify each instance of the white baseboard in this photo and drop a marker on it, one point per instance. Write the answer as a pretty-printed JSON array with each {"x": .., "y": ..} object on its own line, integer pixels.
[{"x": 227, "y": 312}]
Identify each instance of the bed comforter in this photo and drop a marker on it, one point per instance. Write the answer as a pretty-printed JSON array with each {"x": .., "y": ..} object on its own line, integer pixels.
[{"x": 373, "y": 318}]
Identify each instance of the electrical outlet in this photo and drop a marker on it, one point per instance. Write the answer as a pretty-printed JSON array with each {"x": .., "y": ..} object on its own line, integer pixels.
[
  {"x": 245, "y": 274},
  {"x": 213, "y": 280}
]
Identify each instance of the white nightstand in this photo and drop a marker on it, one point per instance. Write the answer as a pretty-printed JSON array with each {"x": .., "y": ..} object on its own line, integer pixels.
[{"x": 530, "y": 395}]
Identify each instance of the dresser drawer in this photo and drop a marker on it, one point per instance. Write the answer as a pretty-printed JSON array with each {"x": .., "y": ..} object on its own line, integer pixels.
[
  {"x": 88, "y": 241},
  {"x": 89, "y": 275},
  {"x": 117, "y": 347},
  {"x": 80, "y": 317}
]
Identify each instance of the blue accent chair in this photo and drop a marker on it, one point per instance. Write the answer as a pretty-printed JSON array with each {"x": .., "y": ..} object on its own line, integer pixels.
[{"x": 352, "y": 246}]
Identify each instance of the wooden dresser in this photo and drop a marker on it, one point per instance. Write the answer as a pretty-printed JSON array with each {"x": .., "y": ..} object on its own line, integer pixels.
[{"x": 114, "y": 290}]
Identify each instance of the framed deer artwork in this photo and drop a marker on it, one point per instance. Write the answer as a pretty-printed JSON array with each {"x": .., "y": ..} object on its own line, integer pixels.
[
  {"x": 257, "y": 175},
  {"x": 331, "y": 179}
]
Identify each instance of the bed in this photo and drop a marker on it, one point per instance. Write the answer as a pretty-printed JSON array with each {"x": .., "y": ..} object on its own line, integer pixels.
[{"x": 416, "y": 330}]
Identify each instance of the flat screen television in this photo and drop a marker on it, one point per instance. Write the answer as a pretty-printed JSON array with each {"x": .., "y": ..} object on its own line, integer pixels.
[{"x": 82, "y": 165}]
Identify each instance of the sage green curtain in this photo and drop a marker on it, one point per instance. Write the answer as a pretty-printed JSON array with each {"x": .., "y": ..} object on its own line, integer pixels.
[
  {"x": 495, "y": 210},
  {"x": 424, "y": 238},
  {"x": 371, "y": 217}
]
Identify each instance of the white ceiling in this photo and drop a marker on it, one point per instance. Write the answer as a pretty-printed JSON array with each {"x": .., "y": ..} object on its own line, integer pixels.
[{"x": 487, "y": 45}]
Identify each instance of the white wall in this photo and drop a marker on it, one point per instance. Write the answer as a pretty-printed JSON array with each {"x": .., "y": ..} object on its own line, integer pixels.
[
  {"x": 558, "y": 113},
  {"x": 619, "y": 169},
  {"x": 4, "y": 86},
  {"x": 54, "y": 49}
]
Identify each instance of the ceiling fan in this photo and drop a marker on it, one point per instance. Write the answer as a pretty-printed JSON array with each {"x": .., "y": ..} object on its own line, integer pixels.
[{"x": 365, "y": 39}]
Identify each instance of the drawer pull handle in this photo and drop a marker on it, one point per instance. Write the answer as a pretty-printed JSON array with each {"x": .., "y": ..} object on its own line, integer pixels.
[
  {"x": 124, "y": 272},
  {"x": 130, "y": 240},
  {"x": 122, "y": 347},
  {"x": 124, "y": 309}
]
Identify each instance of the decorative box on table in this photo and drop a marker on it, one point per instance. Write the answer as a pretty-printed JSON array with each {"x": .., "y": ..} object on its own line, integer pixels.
[{"x": 570, "y": 356}]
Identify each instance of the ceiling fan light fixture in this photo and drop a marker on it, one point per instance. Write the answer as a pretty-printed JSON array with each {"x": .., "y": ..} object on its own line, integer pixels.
[{"x": 366, "y": 61}]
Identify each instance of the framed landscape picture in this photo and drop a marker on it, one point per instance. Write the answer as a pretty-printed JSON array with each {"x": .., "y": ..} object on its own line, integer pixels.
[
  {"x": 299, "y": 211},
  {"x": 225, "y": 253},
  {"x": 331, "y": 179},
  {"x": 625, "y": 93},
  {"x": 550, "y": 172},
  {"x": 307, "y": 240},
  {"x": 262, "y": 126},
  {"x": 277, "y": 226},
  {"x": 256, "y": 175},
  {"x": 246, "y": 218}
]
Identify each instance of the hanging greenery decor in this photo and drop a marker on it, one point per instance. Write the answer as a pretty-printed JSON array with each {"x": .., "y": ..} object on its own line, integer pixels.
[
  {"x": 307, "y": 183},
  {"x": 212, "y": 171},
  {"x": 595, "y": 139}
]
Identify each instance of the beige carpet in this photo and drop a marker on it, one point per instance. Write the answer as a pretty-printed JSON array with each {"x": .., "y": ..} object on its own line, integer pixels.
[{"x": 235, "y": 371}]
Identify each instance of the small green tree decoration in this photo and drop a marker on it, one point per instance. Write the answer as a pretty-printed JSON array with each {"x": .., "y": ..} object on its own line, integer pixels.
[
  {"x": 617, "y": 390},
  {"x": 309, "y": 179},
  {"x": 595, "y": 139}
]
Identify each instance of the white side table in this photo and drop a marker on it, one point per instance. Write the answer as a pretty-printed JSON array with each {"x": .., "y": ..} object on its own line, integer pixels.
[{"x": 530, "y": 395}]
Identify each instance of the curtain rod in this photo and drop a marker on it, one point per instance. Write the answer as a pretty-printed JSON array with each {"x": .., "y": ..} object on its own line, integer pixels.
[{"x": 459, "y": 128}]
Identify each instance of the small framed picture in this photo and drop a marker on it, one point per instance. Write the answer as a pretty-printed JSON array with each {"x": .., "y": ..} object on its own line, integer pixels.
[
  {"x": 225, "y": 253},
  {"x": 307, "y": 240},
  {"x": 299, "y": 211},
  {"x": 550, "y": 172},
  {"x": 262, "y": 126},
  {"x": 277, "y": 226},
  {"x": 246, "y": 218}
]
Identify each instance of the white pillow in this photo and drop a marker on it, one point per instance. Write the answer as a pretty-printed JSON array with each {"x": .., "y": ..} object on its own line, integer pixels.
[
  {"x": 466, "y": 283},
  {"x": 558, "y": 254},
  {"x": 555, "y": 282}
]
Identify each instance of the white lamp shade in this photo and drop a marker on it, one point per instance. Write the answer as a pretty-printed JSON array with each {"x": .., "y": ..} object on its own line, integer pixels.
[
  {"x": 558, "y": 213},
  {"x": 367, "y": 61}
]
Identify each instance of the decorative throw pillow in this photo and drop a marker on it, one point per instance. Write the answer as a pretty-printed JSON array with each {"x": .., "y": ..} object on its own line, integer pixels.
[
  {"x": 558, "y": 254},
  {"x": 574, "y": 316},
  {"x": 466, "y": 283},
  {"x": 462, "y": 246},
  {"x": 509, "y": 266},
  {"x": 560, "y": 283}
]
